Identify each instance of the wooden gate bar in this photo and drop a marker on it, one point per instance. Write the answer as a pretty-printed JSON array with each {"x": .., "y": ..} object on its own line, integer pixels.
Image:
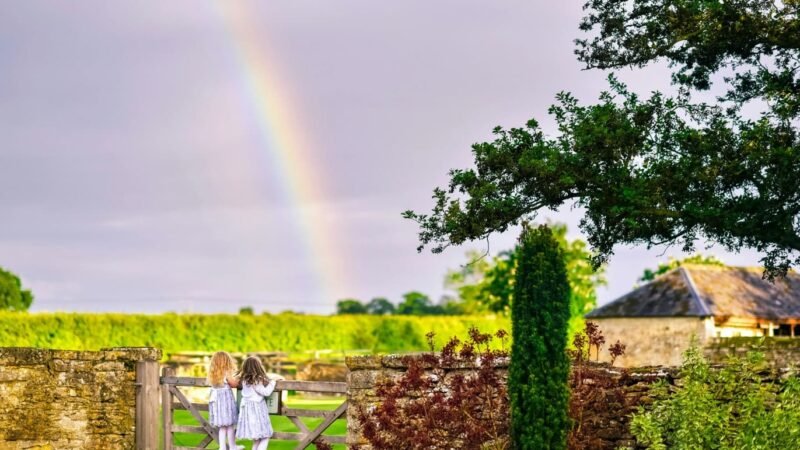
[
  {"x": 193, "y": 411},
  {"x": 311, "y": 437}
]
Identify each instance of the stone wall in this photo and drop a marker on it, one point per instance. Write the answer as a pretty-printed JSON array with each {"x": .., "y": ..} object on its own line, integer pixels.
[
  {"x": 780, "y": 352},
  {"x": 59, "y": 399},
  {"x": 612, "y": 396}
]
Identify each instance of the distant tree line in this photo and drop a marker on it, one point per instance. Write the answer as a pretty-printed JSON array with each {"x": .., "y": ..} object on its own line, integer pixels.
[{"x": 413, "y": 304}]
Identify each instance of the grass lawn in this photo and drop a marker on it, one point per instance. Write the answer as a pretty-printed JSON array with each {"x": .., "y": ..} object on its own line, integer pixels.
[{"x": 279, "y": 423}]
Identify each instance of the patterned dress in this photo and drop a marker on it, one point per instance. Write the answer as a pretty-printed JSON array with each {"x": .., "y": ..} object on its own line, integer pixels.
[
  {"x": 222, "y": 406},
  {"x": 254, "y": 420}
]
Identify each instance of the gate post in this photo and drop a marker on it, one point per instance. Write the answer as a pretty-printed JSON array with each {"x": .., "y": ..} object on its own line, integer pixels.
[{"x": 147, "y": 390}]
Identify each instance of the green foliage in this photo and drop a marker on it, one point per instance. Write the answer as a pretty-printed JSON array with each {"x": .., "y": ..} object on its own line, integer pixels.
[
  {"x": 484, "y": 283},
  {"x": 414, "y": 304},
  {"x": 672, "y": 263},
  {"x": 380, "y": 306},
  {"x": 248, "y": 310},
  {"x": 726, "y": 409},
  {"x": 233, "y": 332},
  {"x": 537, "y": 377},
  {"x": 418, "y": 304},
  {"x": 12, "y": 296},
  {"x": 350, "y": 306},
  {"x": 487, "y": 284},
  {"x": 655, "y": 170}
]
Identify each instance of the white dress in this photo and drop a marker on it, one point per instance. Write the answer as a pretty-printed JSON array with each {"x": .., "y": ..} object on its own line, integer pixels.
[
  {"x": 222, "y": 406},
  {"x": 254, "y": 420}
]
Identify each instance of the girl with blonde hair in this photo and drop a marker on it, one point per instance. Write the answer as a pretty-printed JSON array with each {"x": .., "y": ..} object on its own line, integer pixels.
[{"x": 222, "y": 412}]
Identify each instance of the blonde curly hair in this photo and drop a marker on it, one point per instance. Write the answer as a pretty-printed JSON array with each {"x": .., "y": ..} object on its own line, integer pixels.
[{"x": 222, "y": 365}]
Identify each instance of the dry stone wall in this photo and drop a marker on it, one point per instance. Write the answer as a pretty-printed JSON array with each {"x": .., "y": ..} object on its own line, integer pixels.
[
  {"x": 59, "y": 399},
  {"x": 614, "y": 395},
  {"x": 780, "y": 352}
]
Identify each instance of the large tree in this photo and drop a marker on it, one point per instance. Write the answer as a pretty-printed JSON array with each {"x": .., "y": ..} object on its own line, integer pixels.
[
  {"x": 661, "y": 169},
  {"x": 12, "y": 296}
]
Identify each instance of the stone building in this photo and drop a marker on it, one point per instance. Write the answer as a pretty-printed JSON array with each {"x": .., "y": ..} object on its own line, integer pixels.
[{"x": 657, "y": 321}]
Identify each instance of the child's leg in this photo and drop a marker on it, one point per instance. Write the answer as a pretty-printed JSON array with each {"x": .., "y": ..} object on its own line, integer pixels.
[
  {"x": 223, "y": 432},
  {"x": 262, "y": 445},
  {"x": 232, "y": 437}
]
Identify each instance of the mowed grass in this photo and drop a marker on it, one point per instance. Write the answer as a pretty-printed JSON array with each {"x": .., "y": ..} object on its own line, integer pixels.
[{"x": 279, "y": 423}]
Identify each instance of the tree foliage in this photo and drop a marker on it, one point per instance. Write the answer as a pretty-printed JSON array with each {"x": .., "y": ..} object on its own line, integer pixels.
[
  {"x": 380, "y": 306},
  {"x": 414, "y": 304},
  {"x": 487, "y": 284},
  {"x": 418, "y": 304},
  {"x": 672, "y": 263},
  {"x": 12, "y": 296},
  {"x": 350, "y": 306},
  {"x": 537, "y": 378},
  {"x": 661, "y": 169}
]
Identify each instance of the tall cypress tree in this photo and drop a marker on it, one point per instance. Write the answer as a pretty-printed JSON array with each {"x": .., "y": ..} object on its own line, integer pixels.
[{"x": 537, "y": 381}]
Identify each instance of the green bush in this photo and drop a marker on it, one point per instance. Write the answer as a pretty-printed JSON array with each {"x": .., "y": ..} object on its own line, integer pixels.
[
  {"x": 731, "y": 408},
  {"x": 238, "y": 333},
  {"x": 540, "y": 312},
  {"x": 12, "y": 296}
]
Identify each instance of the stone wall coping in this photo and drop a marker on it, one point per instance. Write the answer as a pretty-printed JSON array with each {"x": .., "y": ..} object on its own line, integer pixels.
[
  {"x": 400, "y": 361},
  {"x": 35, "y": 355}
]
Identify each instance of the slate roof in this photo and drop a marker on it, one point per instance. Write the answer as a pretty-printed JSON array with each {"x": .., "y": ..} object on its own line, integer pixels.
[{"x": 703, "y": 291}]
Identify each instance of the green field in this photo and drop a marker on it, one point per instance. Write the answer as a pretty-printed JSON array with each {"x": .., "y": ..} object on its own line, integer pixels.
[
  {"x": 234, "y": 332},
  {"x": 279, "y": 423}
]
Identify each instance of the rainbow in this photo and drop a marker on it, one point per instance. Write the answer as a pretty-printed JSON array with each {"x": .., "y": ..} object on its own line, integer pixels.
[{"x": 282, "y": 139}]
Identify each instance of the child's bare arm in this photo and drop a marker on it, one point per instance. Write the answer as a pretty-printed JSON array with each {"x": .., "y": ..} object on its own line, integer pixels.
[{"x": 233, "y": 382}]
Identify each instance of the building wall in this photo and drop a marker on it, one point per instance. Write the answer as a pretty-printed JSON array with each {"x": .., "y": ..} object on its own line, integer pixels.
[
  {"x": 728, "y": 332},
  {"x": 653, "y": 341},
  {"x": 58, "y": 399}
]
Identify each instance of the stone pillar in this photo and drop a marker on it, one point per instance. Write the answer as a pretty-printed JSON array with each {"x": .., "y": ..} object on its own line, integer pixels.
[{"x": 72, "y": 399}]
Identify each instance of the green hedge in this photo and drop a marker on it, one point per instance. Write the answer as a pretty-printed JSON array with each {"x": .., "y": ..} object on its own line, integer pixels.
[{"x": 237, "y": 333}]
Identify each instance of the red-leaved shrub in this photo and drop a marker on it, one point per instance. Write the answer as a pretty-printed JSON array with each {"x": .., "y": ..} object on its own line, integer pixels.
[{"x": 455, "y": 398}]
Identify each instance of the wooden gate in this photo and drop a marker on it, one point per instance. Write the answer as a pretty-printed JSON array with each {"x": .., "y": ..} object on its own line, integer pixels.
[{"x": 173, "y": 399}]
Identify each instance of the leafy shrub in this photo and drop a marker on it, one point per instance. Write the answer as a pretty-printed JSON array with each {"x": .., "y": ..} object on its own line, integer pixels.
[
  {"x": 447, "y": 409},
  {"x": 233, "y": 332},
  {"x": 539, "y": 367},
  {"x": 733, "y": 407}
]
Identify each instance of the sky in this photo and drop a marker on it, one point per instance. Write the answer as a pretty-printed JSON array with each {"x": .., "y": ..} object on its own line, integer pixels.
[{"x": 204, "y": 156}]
